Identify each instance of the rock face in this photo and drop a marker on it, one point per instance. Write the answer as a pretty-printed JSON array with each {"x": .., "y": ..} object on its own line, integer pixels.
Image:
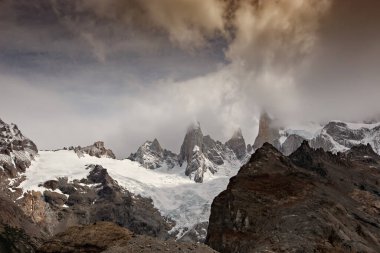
[
  {"x": 198, "y": 165},
  {"x": 203, "y": 154},
  {"x": 267, "y": 132},
  {"x": 194, "y": 137},
  {"x": 108, "y": 237},
  {"x": 310, "y": 201},
  {"x": 97, "y": 149},
  {"x": 18, "y": 234},
  {"x": 237, "y": 144},
  {"x": 152, "y": 156},
  {"x": 16, "y": 151},
  {"x": 95, "y": 198}
]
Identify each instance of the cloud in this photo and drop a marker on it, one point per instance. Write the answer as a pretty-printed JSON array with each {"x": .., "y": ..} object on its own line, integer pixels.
[{"x": 129, "y": 70}]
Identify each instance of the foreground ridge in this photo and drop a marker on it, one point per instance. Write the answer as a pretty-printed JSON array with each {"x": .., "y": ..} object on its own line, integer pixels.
[{"x": 309, "y": 201}]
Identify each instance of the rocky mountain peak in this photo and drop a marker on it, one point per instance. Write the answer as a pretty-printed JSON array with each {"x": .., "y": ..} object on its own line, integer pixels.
[
  {"x": 99, "y": 144},
  {"x": 268, "y": 132},
  {"x": 193, "y": 137},
  {"x": 152, "y": 156},
  {"x": 199, "y": 153},
  {"x": 98, "y": 149},
  {"x": 155, "y": 146},
  {"x": 237, "y": 144},
  {"x": 16, "y": 151}
]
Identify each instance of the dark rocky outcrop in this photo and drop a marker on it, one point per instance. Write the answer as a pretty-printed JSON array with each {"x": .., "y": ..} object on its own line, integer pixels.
[
  {"x": 237, "y": 144},
  {"x": 193, "y": 137},
  {"x": 268, "y": 132},
  {"x": 108, "y": 237},
  {"x": 249, "y": 149},
  {"x": 16, "y": 151},
  {"x": 97, "y": 149},
  {"x": 18, "y": 234},
  {"x": 311, "y": 201}
]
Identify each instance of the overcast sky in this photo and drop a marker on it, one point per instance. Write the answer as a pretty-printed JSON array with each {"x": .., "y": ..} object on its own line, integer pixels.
[{"x": 124, "y": 71}]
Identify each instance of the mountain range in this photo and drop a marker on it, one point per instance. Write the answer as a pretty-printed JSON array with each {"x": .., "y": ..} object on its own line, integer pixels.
[
  {"x": 210, "y": 191},
  {"x": 199, "y": 154}
]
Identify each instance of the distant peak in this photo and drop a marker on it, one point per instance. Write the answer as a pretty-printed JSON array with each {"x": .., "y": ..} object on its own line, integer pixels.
[
  {"x": 194, "y": 127},
  {"x": 238, "y": 134},
  {"x": 156, "y": 146}
]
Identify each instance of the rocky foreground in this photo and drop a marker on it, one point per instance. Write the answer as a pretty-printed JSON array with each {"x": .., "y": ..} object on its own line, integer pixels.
[
  {"x": 109, "y": 238},
  {"x": 310, "y": 201}
]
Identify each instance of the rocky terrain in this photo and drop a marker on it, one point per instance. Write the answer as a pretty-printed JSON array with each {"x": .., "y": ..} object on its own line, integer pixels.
[
  {"x": 108, "y": 237},
  {"x": 16, "y": 151},
  {"x": 18, "y": 233},
  {"x": 310, "y": 201},
  {"x": 268, "y": 132},
  {"x": 97, "y": 197},
  {"x": 152, "y": 156},
  {"x": 97, "y": 149},
  {"x": 198, "y": 155}
]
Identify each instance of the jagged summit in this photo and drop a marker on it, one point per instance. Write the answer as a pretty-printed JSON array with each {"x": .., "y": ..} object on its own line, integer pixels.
[
  {"x": 98, "y": 149},
  {"x": 335, "y": 136},
  {"x": 193, "y": 137},
  {"x": 152, "y": 156},
  {"x": 268, "y": 132},
  {"x": 199, "y": 154},
  {"x": 155, "y": 146},
  {"x": 16, "y": 151},
  {"x": 209, "y": 154},
  {"x": 237, "y": 144}
]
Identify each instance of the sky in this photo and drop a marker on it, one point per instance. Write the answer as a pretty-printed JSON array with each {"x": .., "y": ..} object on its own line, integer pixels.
[{"x": 125, "y": 71}]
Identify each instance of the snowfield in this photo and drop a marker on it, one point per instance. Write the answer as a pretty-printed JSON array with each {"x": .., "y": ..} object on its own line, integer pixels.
[{"x": 175, "y": 195}]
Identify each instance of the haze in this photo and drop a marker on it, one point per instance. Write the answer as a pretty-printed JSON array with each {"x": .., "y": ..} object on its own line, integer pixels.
[{"x": 77, "y": 71}]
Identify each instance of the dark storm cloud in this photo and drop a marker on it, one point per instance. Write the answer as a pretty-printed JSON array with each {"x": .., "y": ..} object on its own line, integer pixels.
[{"x": 129, "y": 70}]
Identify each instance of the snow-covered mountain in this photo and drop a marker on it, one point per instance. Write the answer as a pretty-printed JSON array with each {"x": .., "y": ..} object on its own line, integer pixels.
[
  {"x": 16, "y": 151},
  {"x": 152, "y": 156},
  {"x": 335, "y": 136},
  {"x": 200, "y": 156}
]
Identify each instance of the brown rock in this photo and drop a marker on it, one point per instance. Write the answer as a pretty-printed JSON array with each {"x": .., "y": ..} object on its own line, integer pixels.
[{"x": 311, "y": 201}]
